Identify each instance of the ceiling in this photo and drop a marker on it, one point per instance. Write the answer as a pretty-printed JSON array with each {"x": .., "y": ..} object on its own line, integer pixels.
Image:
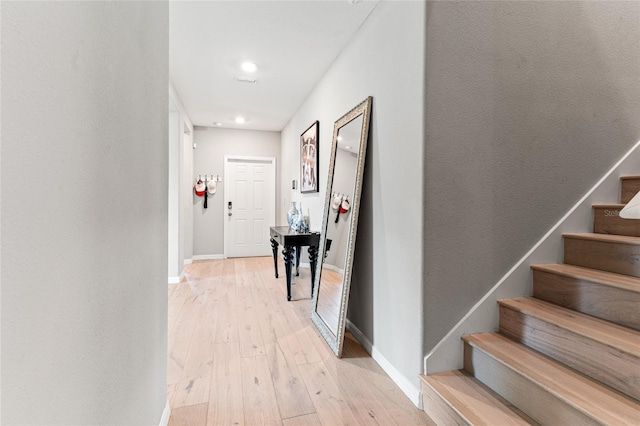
[{"x": 293, "y": 44}]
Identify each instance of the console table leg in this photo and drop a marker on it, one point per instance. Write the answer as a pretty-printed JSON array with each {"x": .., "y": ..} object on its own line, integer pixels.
[
  {"x": 298, "y": 251},
  {"x": 313, "y": 260},
  {"x": 274, "y": 247},
  {"x": 287, "y": 252}
]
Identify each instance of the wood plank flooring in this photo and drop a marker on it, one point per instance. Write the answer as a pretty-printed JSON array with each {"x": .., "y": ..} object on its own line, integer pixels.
[{"x": 240, "y": 354}]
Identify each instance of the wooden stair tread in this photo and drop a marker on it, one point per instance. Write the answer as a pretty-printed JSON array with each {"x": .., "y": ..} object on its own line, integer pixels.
[
  {"x": 582, "y": 393},
  {"x": 607, "y": 333},
  {"x": 474, "y": 401},
  {"x": 629, "y": 177},
  {"x": 624, "y": 282},
  {"x": 606, "y": 238}
]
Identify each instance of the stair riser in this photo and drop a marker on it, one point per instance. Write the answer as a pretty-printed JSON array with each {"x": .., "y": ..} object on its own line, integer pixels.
[
  {"x": 630, "y": 187},
  {"x": 606, "y": 220},
  {"x": 525, "y": 394},
  {"x": 609, "y": 303},
  {"x": 439, "y": 411},
  {"x": 604, "y": 363},
  {"x": 607, "y": 256}
]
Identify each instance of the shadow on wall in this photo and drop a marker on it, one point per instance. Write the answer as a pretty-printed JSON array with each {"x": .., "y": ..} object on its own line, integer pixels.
[
  {"x": 528, "y": 104},
  {"x": 361, "y": 299}
]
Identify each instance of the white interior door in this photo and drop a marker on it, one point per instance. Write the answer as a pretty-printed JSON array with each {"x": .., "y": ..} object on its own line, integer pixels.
[{"x": 250, "y": 205}]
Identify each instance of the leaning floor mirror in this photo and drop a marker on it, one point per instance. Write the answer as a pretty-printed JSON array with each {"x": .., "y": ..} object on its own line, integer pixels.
[{"x": 338, "y": 236}]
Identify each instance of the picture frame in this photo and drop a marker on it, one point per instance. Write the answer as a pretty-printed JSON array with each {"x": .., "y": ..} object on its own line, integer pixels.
[{"x": 309, "y": 170}]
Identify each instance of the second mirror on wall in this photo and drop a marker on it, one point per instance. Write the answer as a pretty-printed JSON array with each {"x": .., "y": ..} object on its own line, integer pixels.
[{"x": 338, "y": 237}]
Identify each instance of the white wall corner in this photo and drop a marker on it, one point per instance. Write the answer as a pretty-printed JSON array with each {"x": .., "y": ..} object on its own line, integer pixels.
[
  {"x": 410, "y": 390},
  {"x": 176, "y": 280},
  {"x": 166, "y": 415},
  {"x": 188, "y": 261},
  {"x": 517, "y": 282}
]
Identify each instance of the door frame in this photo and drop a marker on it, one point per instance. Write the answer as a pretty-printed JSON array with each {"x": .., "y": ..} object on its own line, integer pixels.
[{"x": 240, "y": 158}]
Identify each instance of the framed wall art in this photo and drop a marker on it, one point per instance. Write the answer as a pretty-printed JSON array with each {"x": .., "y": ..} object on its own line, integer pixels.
[{"x": 309, "y": 172}]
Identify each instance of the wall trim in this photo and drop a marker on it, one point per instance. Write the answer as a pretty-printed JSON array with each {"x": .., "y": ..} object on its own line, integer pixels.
[
  {"x": 447, "y": 354},
  {"x": 188, "y": 261},
  {"x": 207, "y": 257},
  {"x": 333, "y": 268},
  {"x": 176, "y": 280},
  {"x": 405, "y": 385},
  {"x": 166, "y": 415}
]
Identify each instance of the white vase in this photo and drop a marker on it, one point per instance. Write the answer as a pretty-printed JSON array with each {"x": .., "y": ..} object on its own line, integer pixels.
[{"x": 292, "y": 214}]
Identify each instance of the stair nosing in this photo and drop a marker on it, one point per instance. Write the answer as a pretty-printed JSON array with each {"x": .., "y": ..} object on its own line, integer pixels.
[
  {"x": 605, "y": 238},
  {"x": 592, "y": 323},
  {"x": 613, "y": 205},
  {"x": 617, "y": 280}
]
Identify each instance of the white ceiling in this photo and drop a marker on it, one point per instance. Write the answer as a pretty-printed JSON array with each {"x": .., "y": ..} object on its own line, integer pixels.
[{"x": 292, "y": 42}]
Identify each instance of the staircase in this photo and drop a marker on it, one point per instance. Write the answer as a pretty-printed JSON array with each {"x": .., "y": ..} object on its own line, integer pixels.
[{"x": 569, "y": 355}]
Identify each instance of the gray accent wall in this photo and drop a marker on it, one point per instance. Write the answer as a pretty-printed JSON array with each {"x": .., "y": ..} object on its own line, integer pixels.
[
  {"x": 84, "y": 212},
  {"x": 384, "y": 60},
  {"x": 208, "y": 158},
  {"x": 528, "y": 104}
]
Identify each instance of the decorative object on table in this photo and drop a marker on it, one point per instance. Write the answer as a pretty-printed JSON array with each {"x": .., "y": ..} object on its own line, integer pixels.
[
  {"x": 300, "y": 224},
  {"x": 632, "y": 209},
  {"x": 200, "y": 188},
  {"x": 292, "y": 213},
  {"x": 309, "y": 172}
]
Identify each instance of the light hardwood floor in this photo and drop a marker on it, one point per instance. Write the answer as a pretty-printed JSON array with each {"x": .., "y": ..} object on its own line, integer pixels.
[{"x": 240, "y": 354}]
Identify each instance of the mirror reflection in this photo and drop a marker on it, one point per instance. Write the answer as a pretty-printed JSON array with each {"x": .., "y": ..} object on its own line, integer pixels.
[
  {"x": 337, "y": 233},
  {"x": 338, "y": 236}
]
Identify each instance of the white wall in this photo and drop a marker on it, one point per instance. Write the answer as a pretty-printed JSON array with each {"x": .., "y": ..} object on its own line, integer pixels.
[
  {"x": 208, "y": 158},
  {"x": 175, "y": 265},
  {"x": 186, "y": 198},
  {"x": 385, "y": 59},
  {"x": 180, "y": 186},
  {"x": 84, "y": 250}
]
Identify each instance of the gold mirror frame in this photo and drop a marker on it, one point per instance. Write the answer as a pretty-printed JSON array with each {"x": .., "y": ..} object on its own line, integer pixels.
[{"x": 336, "y": 341}]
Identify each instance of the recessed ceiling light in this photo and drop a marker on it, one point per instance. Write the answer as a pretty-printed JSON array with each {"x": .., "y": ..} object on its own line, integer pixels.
[
  {"x": 347, "y": 147},
  {"x": 217, "y": 124},
  {"x": 240, "y": 120},
  {"x": 249, "y": 66},
  {"x": 339, "y": 138}
]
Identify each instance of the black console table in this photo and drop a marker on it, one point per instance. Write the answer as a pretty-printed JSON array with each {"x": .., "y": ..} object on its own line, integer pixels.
[{"x": 290, "y": 240}]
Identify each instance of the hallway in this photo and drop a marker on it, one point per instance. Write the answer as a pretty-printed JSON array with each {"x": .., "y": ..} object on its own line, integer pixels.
[{"x": 239, "y": 353}]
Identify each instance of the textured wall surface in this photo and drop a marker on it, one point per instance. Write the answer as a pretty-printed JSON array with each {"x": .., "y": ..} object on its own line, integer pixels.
[
  {"x": 84, "y": 245},
  {"x": 528, "y": 104}
]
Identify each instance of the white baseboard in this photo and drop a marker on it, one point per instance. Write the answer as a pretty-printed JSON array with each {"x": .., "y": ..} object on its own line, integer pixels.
[
  {"x": 409, "y": 389},
  {"x": 188, "y": 261},
  {"x": 333, "y": 268},
  {"x": 166, "y": 414},
  {"x": 208, "y": 257},
  {"x": 517, "y": 282},
  {"x": 176, "y": 280}
]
